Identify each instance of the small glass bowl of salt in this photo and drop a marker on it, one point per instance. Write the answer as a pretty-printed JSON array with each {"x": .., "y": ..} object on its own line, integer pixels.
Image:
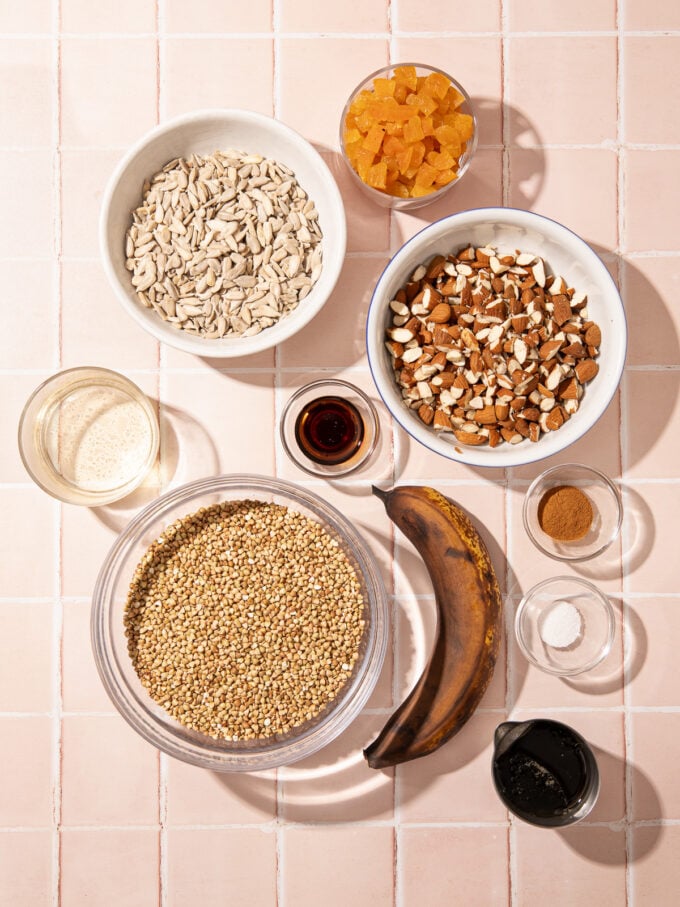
[{"x": 565, "y": 625}]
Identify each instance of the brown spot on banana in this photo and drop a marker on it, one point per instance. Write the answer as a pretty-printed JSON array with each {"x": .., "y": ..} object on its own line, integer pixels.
[{"x": 469, "y": 623}]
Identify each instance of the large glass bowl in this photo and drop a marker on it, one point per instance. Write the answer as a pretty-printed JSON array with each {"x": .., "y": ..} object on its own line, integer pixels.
[{"x": 147, "y": 717}]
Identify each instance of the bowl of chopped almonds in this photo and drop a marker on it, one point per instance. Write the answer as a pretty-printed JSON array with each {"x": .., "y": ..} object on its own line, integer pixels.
[
  {"x": 222, "y": 232},
  {"x": 496, "y": 337},
  {"x": 239, "y": 623}
]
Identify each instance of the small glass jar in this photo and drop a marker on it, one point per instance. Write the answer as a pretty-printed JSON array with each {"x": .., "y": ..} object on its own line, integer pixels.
[
  {"x": 88, "y": 436},
  {"x": 391, "y": 201},
  {"x": 329, "y": 428}
]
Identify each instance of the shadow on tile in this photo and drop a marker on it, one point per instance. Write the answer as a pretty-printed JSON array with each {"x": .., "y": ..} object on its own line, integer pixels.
[
  {"x": 184, "y": 443},
  {"x": 613, "y": 671},
  {"x": 637, "y": 542},
  {"x": 600, "y": 849},
  {"x": 332, "y": 785}
]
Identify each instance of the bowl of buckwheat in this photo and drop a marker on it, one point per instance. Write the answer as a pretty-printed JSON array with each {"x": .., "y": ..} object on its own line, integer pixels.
[
  {"x": 222, "y": 232},
  {"x": 239, "y": 623},
  {"x": 496, "y": 337}
]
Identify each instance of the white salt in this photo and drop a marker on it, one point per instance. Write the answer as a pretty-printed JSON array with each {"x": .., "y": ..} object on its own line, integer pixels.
[{"x": 561, "y": 625}]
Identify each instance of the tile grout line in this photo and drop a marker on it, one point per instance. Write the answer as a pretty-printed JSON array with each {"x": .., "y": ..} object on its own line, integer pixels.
[
  {"x": 347, "y": 36},
  {"x": 507, "y": 496},
  {"x": 277, "y": 375},
  {"x": 397, "y": 843},
  {"x": 163, "y": 875},
  {"x": 57, "y": 616},
  {"x": 623, "y": 445}
]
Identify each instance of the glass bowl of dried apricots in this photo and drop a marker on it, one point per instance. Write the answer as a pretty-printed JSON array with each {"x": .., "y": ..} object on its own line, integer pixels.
[{"x": 408, "y": 133}]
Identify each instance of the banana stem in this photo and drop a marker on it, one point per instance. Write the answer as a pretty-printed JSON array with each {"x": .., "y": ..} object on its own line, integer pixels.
[{"x": 379, "y": 493}]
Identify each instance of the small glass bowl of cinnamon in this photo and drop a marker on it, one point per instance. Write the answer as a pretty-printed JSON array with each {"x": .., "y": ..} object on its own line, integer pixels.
[{"x": 572, "y": 512}]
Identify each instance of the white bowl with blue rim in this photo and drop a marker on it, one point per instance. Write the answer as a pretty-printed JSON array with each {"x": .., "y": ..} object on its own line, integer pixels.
[{"x": 509, "y": 230}]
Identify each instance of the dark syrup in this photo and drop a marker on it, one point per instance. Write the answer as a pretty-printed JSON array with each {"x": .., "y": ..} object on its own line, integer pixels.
[
  {"x": 544, "y": 774},
  {"x": 329, "y": 430}
]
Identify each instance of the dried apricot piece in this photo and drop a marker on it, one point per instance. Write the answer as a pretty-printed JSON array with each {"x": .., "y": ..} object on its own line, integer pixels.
[
  {"x": 406, "y": 75},
  {"x": 376, "y": 176},
  {"x": 384, "y": 88},
  {"x": 374, "y": 138},
  {"x": 413, "y": 130}
]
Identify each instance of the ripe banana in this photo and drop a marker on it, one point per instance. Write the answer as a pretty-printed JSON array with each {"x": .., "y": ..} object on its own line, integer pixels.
[{"x": 468, "y": 626}]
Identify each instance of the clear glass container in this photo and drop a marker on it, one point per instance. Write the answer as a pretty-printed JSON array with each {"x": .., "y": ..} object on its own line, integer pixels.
[
  {"x": 88, "y": 436},
  {"x": 604, "y": 498},
  {"x": 299, "y": 410},
  {"x": 408, "y": 204},
  {"x": 148, "y": 718},
  {"x": 587, "y": 622}
]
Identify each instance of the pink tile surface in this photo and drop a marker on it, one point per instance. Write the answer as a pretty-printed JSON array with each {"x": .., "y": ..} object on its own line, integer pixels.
[
  {"x": 336, "y": 785},
  {"x": 538, "y": 181},
  {"x": 127, "y": 16},
  {"x": 412, "y": 16},
  {"x": 550, "y": 103},
  {"x": 454, "y": 784},
  {"x": 651, "y": 16},
  {"x": 353, "y": 16},
  {"x": 650, "y": 437},
  {"x": 84, "y": 175},
  {"x": 31, "y": 529},
  {"x": 31, "y": 17},
  {"x": 108, "y": 90},
  {"x": 435, "y": 865},
  {"x": 26, "y": 875},
  {"x": 650, "y": 287},
  {"x": 29, "y": 190},
  {"x": 656, "y": 786},
  {"x": 95, "y": 328},
  {"x": 654, "y": 677},
  {"x": 339, "y": 64},
  {"x": 35, "y": 316},
  {"x": 26, "y": 782},
  {"x": 656, "y": 879},
  {"x": 319, "y": 344},
  {"x": 81, "y": 689},
  {"x": 200, "y": 797},
  {"x": 338, "y": 865},
  {"x": 652, "y": 218},
  {"x": 577, "y": 865},
  {"x": 109, "y": 775},
  {"x": 26, "y": 630},
  {"x": 650, "y": 64},
  {"x": 26, "y": 102},
  {"x": 208, "y": 72},
  {"x": 100, "y": 865},
  {"x": 579, "y": 15},
  {"x": 578, "y": 120},
  {"x": 211, "y": 16},
  {"x": 206, "y": 866}
]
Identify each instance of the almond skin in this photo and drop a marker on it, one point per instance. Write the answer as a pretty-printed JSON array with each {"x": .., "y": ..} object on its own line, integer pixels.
[{"x": 440, "y": 314}]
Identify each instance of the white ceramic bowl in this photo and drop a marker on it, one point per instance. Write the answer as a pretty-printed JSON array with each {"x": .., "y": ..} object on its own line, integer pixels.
[
  {"x": 507, "y": 229},
  {"x": 204, "y": 132}
]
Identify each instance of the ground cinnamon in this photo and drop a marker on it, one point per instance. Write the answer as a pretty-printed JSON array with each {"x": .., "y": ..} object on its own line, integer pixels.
[{"x": 565, "y": 513}]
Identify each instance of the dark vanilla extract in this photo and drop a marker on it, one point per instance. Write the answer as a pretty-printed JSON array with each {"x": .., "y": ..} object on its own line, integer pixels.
[
  {"x": 329, "y": 430},
  {"x": 544, "y": 773}
]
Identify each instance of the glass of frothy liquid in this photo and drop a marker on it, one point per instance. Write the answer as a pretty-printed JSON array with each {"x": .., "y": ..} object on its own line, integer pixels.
[{"x": 88, "y": 436}]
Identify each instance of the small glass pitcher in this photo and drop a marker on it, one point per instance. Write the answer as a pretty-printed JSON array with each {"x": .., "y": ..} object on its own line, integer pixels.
[{"x": 544, "y": 772}]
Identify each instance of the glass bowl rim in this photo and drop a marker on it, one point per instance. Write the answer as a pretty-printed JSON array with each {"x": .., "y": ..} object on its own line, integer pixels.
[
  {"x": 531, "y": 490},
  {"x": 106, "y": 654},
  {"x": 385, "y": 198},
  {"x": 601, "y": 598}
]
